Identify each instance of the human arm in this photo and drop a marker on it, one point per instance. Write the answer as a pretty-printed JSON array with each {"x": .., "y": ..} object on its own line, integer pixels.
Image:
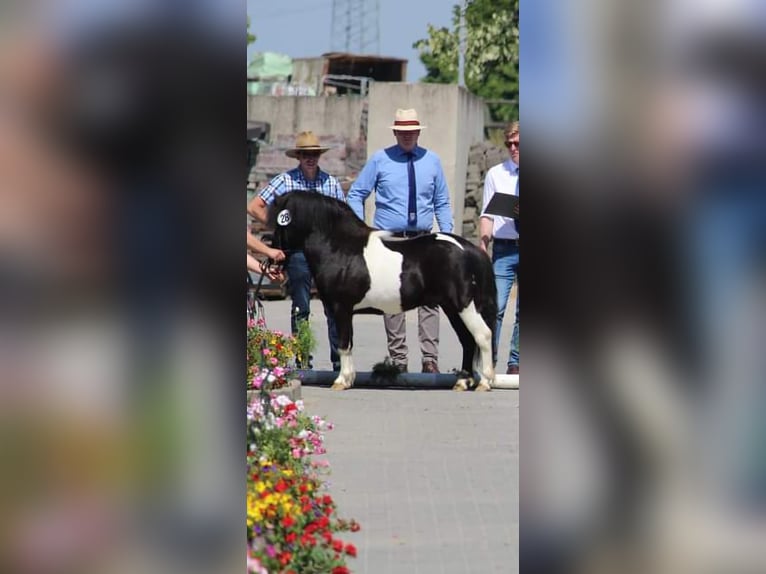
[
  {"x": 362, "y": 187},
  {"x": 486, "y": 222},
  {"x": 442, "y": 208},
  {"x": 258, "y": 209},
  {"x": 255, "y": 244}
]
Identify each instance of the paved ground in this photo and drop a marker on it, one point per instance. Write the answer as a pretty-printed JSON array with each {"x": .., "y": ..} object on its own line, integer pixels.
[
  {"x": 370, "y": 338},
  {"x": 432, "y": 476}
]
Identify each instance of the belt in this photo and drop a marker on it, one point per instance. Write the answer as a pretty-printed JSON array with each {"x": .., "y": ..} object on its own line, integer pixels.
[
  {"x": 410, "y": 233},
  {"x": 503, "y": 241}
]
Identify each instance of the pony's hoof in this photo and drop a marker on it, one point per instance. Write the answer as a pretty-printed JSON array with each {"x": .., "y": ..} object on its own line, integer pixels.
[
  {"x": 483, "y": 387},
  {"x": 461, "y": 385},
  {"x": 338, "y": 386}
]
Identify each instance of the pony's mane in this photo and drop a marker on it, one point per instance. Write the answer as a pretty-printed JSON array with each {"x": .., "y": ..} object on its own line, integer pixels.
[{"x": 310, "y": 210}]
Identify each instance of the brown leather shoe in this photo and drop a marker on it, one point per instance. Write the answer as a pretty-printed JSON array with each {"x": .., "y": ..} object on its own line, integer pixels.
[
  {"x": 430, "y": 367},
  {"x": 512, "y": 370}
]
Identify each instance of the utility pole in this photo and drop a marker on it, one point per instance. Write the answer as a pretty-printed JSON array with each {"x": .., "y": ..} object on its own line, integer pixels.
[
  {"x": 461, "y": 46},
  {"x": 355, "y": 26}
]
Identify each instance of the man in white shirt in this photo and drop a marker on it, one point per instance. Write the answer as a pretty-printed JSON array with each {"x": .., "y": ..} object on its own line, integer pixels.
[{"x": 504, "y": 233}]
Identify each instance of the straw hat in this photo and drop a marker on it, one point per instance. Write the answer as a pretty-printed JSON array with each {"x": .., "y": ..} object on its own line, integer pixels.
[
  {"x": 306, "y": 141},
  {"x": 406, "y": 121}
]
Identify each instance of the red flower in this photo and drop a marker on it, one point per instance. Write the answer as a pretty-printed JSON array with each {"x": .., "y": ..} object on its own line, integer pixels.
[
  {"x": 284, "y": 558},
  {"x": 288, "y": 521},
  {"x": 355, "y": 526},
  {"x": 350, "y": 549},
  {"x": 327, "y": 499},
  {"x": 290, "y": 408},
  {"x": 337, "y": 545},
  {"x": 280, "y": 486},
  {"x": 308, "y": 540},
  {"x": 327, "y": 535},
  {"x": 290, "y": 538},
  {"x": 341, "y": 570},
  {"x": 323, "y": 522}
]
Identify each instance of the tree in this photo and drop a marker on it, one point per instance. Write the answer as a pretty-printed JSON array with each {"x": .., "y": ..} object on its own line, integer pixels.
[
  {"x": 251, "y": 38},
  {"x": 492, "y": 53}
]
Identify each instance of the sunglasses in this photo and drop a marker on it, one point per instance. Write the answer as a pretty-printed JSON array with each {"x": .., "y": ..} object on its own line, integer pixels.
[
  {"x": 509, "y": 144},
  {"x": 309, "y": 154}
]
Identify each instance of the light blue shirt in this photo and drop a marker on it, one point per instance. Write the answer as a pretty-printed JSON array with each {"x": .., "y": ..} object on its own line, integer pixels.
[{"x": 386, "y": 173}]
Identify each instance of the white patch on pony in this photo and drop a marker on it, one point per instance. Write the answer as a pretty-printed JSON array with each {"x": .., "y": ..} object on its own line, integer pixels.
[
  {"x": 345, "y": 379},
  {"x": 442, "y": 237},
  {"x": 385, "y": 268},
  {"x": 482, "y": 334},
  {"x": 284, "y": 218}
]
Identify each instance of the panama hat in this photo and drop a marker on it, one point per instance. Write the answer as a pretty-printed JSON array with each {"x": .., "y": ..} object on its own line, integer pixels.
[
  {"x": 306, "y": 141},
  {"x": 406, "y": 121}
]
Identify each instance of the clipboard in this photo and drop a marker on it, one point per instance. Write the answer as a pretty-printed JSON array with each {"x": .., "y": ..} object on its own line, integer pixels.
[{"x": 502, "y": 204}]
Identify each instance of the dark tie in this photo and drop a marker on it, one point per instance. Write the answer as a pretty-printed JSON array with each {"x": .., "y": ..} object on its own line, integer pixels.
[{"x": 412, "y": 208}]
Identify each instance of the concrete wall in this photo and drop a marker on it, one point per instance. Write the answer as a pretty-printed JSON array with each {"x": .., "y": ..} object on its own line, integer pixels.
[
  {"x": 454, "y": 116},
  {"x": 455, "y": 120},
  {"x": 288, "y": 115}
]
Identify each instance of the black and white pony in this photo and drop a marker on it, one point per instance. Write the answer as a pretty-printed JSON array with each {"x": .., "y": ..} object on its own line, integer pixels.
[{"x": 360, "y": 269}]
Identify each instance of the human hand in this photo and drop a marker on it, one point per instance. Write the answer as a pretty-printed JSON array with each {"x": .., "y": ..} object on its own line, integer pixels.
[
  {"x": 273, "y": 272},
  {"x": 516, "y": 210},
  {"x": 276, "y": 254}
]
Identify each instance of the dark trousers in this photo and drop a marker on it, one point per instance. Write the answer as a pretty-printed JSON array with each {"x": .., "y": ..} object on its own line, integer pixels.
[{"x": 299, "y": 275}]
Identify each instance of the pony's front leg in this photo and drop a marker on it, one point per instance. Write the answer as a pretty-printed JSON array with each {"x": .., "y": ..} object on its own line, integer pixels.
[
  {"x": 345, "y": 379},
  {"x": 347, "y": 374}
]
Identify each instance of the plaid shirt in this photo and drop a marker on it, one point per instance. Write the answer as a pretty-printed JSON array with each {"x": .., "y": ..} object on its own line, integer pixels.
[{"x": 293, "y": 180}]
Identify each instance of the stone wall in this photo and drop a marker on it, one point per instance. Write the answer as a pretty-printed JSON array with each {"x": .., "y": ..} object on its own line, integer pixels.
[{"x": 481, "y": 157}]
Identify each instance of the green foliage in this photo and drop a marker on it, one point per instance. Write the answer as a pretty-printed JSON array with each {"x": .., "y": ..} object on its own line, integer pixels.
[
  {"x": 305, "y": 341},
  {"x": 492, "y": 53},
  {"x": 251, "y": 38}
]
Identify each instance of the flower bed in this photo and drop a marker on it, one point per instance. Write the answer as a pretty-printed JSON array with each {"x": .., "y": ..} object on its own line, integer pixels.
[
  {"x": 292, "y": 523},
  {"x": 272, "y": 354}
]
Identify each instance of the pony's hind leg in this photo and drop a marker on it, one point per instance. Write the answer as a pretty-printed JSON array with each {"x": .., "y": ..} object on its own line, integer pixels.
[
  {"x": 347, "y": 374},
  {"x": 465, "y": 377},
  {"x": 482, "y": 335}
]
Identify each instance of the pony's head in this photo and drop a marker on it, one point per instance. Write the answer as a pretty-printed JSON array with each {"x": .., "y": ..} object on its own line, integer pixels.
[{"x": 297, "y": 214}]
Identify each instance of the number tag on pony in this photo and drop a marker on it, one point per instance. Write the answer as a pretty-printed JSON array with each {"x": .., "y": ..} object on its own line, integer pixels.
[{"x": 283, "y": 218}]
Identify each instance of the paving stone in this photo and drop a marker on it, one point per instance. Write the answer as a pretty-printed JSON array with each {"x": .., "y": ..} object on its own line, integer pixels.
[{"x": 431, "y": 476}]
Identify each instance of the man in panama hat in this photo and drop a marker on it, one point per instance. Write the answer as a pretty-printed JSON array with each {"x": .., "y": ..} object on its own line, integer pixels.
[
  {"x": 305, "y": 177},
  {"x": 410, "y": 189}
]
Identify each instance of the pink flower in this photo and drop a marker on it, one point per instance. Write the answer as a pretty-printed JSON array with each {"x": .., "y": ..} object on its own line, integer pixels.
[
  {"x": 274, "y": 361},
  {"x": 266, "y": 352}
]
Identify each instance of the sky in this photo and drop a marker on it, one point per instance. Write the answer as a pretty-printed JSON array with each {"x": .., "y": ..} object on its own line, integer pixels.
[{"x": 301, "y": 28}]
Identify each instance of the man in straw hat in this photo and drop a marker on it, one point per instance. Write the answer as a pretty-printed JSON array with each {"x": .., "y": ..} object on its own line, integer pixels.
[
  {"x": 410, "y": 189},
  {"x": 306, "y": 177}
]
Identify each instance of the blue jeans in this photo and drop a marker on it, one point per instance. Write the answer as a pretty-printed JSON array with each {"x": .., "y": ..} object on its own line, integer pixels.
[
  {"x": 299, "y": 275},
  {"x": 505, "y": 261}
]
